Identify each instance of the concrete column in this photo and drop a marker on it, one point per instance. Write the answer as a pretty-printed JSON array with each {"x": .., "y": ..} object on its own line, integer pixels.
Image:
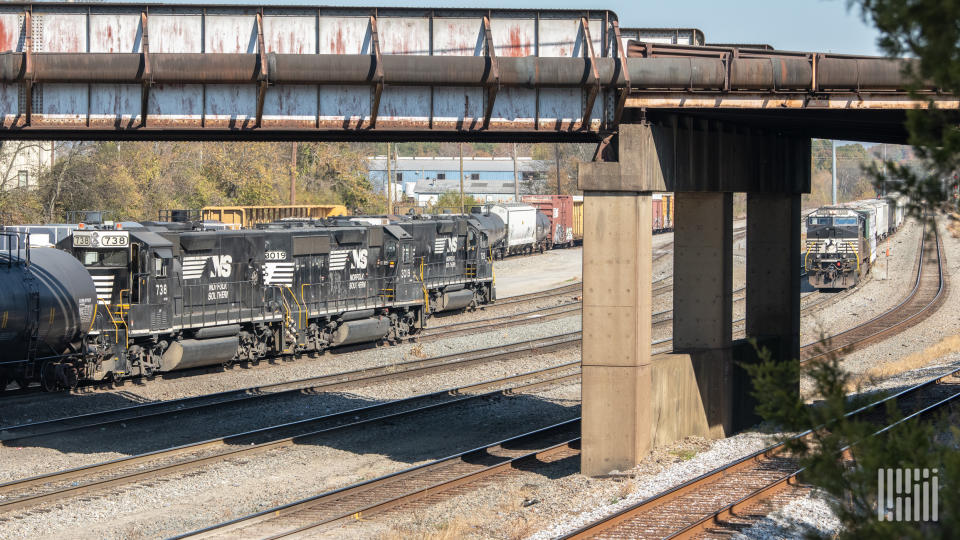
[
  {"x": 617, "y": 275},
  {"x": 773, "y": 272},
  {"x": 702, "y": 304}
]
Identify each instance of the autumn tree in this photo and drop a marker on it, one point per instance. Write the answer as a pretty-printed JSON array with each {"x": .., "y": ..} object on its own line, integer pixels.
[{"x": 929, "y": 32}]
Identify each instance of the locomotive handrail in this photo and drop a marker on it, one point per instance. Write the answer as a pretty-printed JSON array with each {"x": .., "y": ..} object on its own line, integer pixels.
[
  {"x": 300, "y": 308},
  {"x": 16, "y": 236},
  {"x": 116, "y": 327}
]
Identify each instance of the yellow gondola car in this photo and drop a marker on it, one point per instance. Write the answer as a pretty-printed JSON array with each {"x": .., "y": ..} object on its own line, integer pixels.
[{"x": 245, "y": 217}]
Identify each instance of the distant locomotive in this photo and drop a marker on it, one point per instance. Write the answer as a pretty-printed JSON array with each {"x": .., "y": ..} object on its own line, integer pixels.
[
  {"x": 157, "y": 297},
  {"x": 843, "y": 241}
]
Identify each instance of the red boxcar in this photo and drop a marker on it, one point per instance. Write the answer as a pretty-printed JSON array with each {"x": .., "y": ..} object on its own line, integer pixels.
[
  {"x": 559, "y": 210},
  {"x": 659, "y": 214}
]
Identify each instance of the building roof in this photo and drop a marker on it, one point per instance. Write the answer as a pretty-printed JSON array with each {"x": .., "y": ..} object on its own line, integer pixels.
[
  {"x": 431, "y": 186},
  {"x": 470, "y": 164}
]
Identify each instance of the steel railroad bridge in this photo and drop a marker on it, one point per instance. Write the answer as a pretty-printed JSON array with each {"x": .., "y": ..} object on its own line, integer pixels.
[{"x": 669, "y": 112}]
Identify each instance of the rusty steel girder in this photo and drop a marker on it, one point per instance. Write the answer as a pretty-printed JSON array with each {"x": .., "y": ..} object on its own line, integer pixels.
[
  {"x": 734, "y": 69},
  {"x": 119, "y": 69}
]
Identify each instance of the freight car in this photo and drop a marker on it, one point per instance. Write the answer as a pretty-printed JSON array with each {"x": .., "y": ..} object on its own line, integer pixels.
[
  {"x": 247, "y": 217},
  {"x": 114, "y": 303},
  {"x": 526, "y": 229},
  {"x": 843, "y": 241},
  {"x": 558, "y": 211},
  {"x": 662, "y": 210}
]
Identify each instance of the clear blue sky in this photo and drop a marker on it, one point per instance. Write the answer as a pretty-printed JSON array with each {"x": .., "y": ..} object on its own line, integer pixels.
[{"x": 800, "y": 25}]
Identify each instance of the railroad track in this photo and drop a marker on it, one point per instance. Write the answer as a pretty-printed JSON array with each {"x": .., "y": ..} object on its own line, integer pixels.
[
  {"x": 928, "y": 293},
  {"x": 690, "y": 507},
  {"x": 10, "y": 435},
  {"x": 121, "y": 473},
  {"x": 712, "y": 502},
  {"x": 360, "y": 501}
]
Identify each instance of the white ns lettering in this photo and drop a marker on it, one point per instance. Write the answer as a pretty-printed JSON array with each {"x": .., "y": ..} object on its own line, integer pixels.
[
  {"x": 222, "y": 265},
  {"x": 359, "y": 257}
]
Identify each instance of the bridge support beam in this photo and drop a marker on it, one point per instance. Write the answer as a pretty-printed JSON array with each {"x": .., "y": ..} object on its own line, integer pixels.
[
  {"x": 773, "y": 289},
  {"x": 617, "y": 310},
  {"x": 702, "y": 304},
  {"x": 630, "y": 400}
]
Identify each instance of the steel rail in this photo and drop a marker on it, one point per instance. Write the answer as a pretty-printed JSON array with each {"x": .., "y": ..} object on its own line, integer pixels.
[
  {"x": 605, "y": 524},
  {"x": 323, "y": 383},
  {"x": 768, "y": 491},
  {"x": 260, "y": 440},
  {"x": 483, "y": 453}
]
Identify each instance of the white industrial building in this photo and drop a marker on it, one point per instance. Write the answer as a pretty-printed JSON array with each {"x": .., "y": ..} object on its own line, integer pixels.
[{"x": 21, "y": 163}]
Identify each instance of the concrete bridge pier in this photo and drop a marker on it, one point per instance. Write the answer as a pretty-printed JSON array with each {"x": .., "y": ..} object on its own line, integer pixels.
[
  {"x": 633, "y": 401},
  {"x": 617, "y": 312},
  {"x": 702, "y": 304}
]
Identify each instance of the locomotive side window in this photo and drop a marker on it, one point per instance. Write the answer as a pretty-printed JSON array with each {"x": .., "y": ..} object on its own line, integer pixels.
[
  {"x": 104, "y": 257},
  {"x": 390, "y": 251},
  {"x": 407, "y": 254},
  {"x": 159, "y": 266}
]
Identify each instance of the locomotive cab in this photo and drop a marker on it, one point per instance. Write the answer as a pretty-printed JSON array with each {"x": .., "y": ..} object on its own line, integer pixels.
[
  {"x": 834, "y": 247},
  {"x": 106, "y": 254}
]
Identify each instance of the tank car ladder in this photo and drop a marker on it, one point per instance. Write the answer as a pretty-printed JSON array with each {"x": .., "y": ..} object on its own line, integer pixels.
[{"x": 33, "y": 340}]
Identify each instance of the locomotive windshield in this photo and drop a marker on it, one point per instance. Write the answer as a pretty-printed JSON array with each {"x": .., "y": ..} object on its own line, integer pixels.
[
  {"x": 103, "y": 257},
  {"x": 845, "y": 221}
]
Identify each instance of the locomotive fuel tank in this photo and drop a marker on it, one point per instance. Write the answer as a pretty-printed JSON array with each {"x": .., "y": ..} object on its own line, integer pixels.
[{"x": 45, "y": 304}]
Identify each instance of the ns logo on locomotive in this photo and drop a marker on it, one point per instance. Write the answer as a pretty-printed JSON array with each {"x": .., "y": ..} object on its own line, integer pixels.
[{"x": 109, "y": 302}]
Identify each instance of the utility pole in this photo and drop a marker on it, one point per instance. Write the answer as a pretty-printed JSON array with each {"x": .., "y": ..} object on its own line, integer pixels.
[
  {"x": 389, "y": 180},
  {"x": 884, "y": 188},
  {"x": 834, "y": 173},
  {"x": 293, "y": 174},
  {"x": 461, "y": 178},
  {"x": 516, "y": 177},
  {"x": 556, "y": 156}
]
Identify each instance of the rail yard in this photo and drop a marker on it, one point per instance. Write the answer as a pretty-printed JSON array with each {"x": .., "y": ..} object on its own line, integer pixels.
[
  {"x": 478, "y": 416},
  {"x": 247, "y": 292}
]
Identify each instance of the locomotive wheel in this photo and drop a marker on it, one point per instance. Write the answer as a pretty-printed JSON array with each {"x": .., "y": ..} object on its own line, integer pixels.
[
  {"x": 48, "y": 377},
  {"x": 69, "y": 377}
]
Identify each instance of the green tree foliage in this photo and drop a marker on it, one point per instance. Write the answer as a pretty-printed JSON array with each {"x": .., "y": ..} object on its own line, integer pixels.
[
  {"x": 851, "y": 487},
  {"x": 135, "y": 180},
  {"x": 929, "y": 32},
  {"x": 451, "y": 201}
]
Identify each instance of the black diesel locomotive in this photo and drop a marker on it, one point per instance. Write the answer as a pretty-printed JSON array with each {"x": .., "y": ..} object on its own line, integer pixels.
[{"x": 113, "y": 303}]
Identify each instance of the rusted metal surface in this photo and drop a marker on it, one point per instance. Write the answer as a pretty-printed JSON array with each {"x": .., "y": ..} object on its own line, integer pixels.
[
  {"x": 131, "y": 68},
  {"x": 247, "y": 67}
]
